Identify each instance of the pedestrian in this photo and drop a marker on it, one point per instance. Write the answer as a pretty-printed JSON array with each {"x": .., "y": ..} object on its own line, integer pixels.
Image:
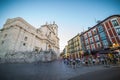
[
  {"x": 79, "y": 61},
  {"x": 74, "y": 64},
  {"x": 86, "y": 62},
  {"x": 71, "y": 60},
  {"x": 94, "y": 61},
  {"x": 114, "y": 60},
  {"x": 106, "y": 62},
  {"x": 102, "y": 60},
  {"x": 60, "y": 59}
]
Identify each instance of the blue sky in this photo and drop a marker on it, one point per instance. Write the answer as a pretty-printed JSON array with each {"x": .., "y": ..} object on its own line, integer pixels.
[{"x": 71, "y": 16}]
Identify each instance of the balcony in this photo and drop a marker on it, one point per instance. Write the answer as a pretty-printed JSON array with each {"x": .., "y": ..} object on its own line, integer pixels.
[
  {"x": 97, "y": 40},
  {"x": 91, "y": 42}
]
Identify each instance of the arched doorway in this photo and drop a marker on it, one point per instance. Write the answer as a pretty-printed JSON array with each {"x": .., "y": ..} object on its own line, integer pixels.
[{"x": 49, "y": 46}]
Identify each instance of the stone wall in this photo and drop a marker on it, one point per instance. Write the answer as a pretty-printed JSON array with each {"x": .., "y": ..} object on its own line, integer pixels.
[{"x": 29, "y": 57}]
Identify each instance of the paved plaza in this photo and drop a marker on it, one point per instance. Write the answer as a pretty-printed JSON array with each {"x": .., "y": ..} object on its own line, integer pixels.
[
  {"x": 106, "y": 74},
  {"x": 43, "y": 71}
]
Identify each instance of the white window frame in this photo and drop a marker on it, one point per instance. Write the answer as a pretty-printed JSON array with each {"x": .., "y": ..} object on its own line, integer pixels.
[
  {"x": 85, "y": 36},
  {"x": 91, "y": 40},
  {"x": 89, "y": 34},
  {"x": 98, "y": 43},
  {"x": 116, "y": 20},
  {"x": 86, "y": 42},
  {"x": 94, "y": 30},
  {"x": 92, "y": 46},
  {"x": 96, "y": 38}
]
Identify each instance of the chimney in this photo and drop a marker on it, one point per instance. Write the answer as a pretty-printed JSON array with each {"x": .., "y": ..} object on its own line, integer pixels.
[
  {"x": 98, "y": 21},
  {"x": 53, "y": 22},
  {"x": 89, "y": 27}
]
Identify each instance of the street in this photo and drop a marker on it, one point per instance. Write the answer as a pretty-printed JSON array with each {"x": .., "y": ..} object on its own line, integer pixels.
[
  {"x": 109, "y": 74},
  {"x": 54, "y": 71}
]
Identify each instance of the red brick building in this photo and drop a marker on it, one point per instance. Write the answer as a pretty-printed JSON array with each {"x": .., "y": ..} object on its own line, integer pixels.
[{"x": 103, "y": 35}]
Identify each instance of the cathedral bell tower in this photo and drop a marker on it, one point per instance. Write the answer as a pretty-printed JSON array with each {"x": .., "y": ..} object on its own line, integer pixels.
[{"x": 55, "y": 28}]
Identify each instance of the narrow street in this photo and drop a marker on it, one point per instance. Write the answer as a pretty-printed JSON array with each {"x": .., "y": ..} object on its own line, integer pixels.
[{"x": 45, "y": 71}]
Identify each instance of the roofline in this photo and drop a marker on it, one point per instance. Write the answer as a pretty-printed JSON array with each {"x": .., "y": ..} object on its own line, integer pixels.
[
  {"x": 74, "y": 37},
  {"x": 117, "y": 15}
]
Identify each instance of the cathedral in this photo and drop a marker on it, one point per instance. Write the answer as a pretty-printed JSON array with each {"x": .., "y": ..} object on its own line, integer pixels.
[{"x": 17, "y": 35}]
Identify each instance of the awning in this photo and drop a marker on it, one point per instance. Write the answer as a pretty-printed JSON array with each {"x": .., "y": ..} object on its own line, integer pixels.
[
  {"x": 108, "y": 51},
  {"x": 116, "y": 52},
  {"x": 104, "y": 51}
]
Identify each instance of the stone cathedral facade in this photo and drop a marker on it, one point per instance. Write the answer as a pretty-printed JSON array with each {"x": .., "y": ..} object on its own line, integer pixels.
[{"x": 17, "y": 35}]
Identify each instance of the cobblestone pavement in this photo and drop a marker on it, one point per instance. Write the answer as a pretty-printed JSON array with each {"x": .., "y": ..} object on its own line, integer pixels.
[{"x": 43, "y": 71}]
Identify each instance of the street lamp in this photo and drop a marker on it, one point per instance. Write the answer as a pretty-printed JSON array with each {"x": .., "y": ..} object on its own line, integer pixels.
[{"x": 114, "y": 45}]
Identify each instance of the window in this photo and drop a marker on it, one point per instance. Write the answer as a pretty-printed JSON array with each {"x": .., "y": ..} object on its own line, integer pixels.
[
  {"x": 92, "y": 46},
  {"x": 5, "y": 36},
  {"x": 86, "y": 41},
  {"x": 115, "y": 23},
  {"x": 105, "y": 43},
  {"x": 85, "y": 36},
  {"x": 91, "y": 40},
  {"x": 2, "y": 42},
  {"x": 87, "y": 47},
  {"x": 94, "y": 31},
  {"x": 89, "y": 34},
  {"x": 25, "y": 38},
  {"x": 102, "y": 35},
  {"x": 100, "y": 28},
  {"x": 98, "y": 45},
  {"x": 24, "y": 44},
  {"x": 96, "y": 38},
  {"x": 118, "y": 30}
]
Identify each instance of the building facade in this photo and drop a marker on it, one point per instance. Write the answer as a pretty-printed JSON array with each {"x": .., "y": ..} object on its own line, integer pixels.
[
  {"x": 65, "y": 52},
  {"x": 74, "y": 47},
  {"x": 18, "y": 35},
  {"x": 103, "y": 35}
]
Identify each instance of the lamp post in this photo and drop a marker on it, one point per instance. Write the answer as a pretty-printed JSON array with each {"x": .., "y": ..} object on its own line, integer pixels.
[{"x": 114, "y": 45}]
